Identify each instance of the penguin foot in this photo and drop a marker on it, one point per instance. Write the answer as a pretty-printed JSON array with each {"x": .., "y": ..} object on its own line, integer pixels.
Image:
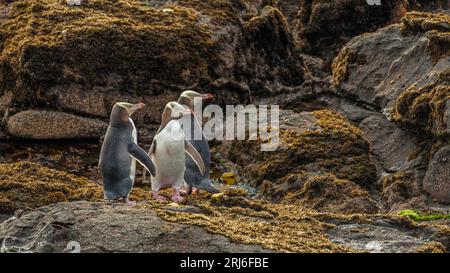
[
  {"x": 158, "y": 197},
  {"x": 127, "y": 201},
  {"x": 176, "y": 196}
]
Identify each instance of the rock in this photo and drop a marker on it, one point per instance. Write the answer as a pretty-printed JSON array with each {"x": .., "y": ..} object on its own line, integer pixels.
[
  {"x": 446, "y": 118},
  {"x": 402, "y": 72},
  {"x": 322, "y": 162},
  {"x": 389, "y": 143},
  {"x": 377, "y": 238},
  {"x": 401, "y": 190},
  {"x": 102, "y": 227},
  {"x": 42, "y": 124},
  {"x": 89, "y": 102},
  {"x": 349, "y": 109},
  {"x": 415, "y": 87},
  {"x": 318, "y": 19},
  {"x": 229, "y": 222},
  {"x": 426, "y": 108},
  {"x": 328, "y": 193},
  {"x": 75, "y": 64},
  {"x": 437, "y": 178},
  {"x": 321, "y": 28}
]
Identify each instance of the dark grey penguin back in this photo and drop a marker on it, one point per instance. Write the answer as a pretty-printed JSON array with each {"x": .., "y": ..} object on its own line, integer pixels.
[
  {"x": 192, "y": 175},
  {"x": 115, "y": 162}
]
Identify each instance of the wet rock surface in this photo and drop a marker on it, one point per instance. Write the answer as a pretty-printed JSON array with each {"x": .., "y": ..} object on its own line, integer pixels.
[
  {"x": 100, "y": 227},
  {"x": 110, "y": 227},
  {"x": 377, "y": 238}
]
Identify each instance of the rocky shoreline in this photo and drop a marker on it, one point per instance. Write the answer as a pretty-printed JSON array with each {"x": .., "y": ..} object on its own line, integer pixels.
[{"x": 364, "y": 126}]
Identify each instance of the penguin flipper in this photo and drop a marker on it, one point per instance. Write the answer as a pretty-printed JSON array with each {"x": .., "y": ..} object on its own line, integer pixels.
[
  {"x": 195, "y": 155},
  {"x": 141, "y": 156},
  {"x": 150, "y": 152}
]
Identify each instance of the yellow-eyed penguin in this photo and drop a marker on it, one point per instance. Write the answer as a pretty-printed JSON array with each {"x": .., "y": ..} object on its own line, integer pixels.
[
  {"x": 119, "y": 153},
  {"x": 192, "y": 177},
  {"x": 168, "y": 153}
]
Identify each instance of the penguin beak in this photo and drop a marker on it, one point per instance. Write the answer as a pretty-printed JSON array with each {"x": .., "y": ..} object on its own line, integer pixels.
[
  {"x": 207, "y": 96},
  {"x": 135, "y": 107}
]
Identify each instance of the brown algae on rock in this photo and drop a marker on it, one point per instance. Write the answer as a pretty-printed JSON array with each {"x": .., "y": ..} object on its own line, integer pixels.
[
  {"x": 40, "y": 35},
  {"x": 324, "y": 150},
  {"x": 437, "y": 27},
  {"x": 280, "y": 227},
  {"x": 28, "y": 185},
  {"x": 424, "y": 107}
]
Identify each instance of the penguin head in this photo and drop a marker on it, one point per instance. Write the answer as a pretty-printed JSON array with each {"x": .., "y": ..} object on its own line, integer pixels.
[
  {"x": 122, "y": 111},
  {"x": 177, "y": 110},
  {"x": 188, "y": 96},
  {"x": 173, "y": 110}
]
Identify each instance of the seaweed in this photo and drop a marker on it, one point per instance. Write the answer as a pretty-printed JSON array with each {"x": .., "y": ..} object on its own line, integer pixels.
[
  {"x": 28, "y": 185},
  {"x": 423, "y": 108},
  {"x": 105, "y": 43},
  {"x": 437, "y": 28},
  {"x": 335, "y": 153}
]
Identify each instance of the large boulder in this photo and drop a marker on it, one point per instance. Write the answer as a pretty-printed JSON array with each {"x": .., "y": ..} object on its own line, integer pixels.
[
  {"x": 402, "y": 69},
  {"x": 83, "y": 59},
  {"x": 393, "y": 146},
  {"x": 322, "y": 27},
  {"x": 401, "y": 72},
  {"x": 322, "y": 162},
  {"x": 42, "y": 124},
  {"x": 100, "y": 227}
]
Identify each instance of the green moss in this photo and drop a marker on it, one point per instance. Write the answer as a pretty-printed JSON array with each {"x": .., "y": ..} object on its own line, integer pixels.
[{"x": 417, "y": 216}]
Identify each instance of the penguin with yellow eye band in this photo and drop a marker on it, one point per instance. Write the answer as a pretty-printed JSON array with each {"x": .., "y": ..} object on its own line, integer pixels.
[
  {"x": 120, "y": 152},
  {"x": 168, "y": 152}
]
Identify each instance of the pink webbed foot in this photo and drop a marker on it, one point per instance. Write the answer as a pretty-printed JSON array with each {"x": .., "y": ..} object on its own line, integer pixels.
[
  {"x": 158, "y": 197},
  {"x": 176, "y": 197},
  {"x": 127, "y": 201}
]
